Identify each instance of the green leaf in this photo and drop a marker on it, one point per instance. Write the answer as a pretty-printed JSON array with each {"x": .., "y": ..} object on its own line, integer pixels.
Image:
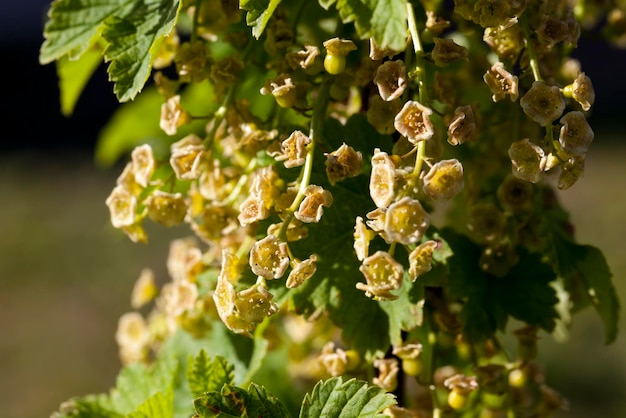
[
  {"x": 134, "y": 40},
  {"x": 406, "y": 312},
  {"x": 73, "y": 76},
  {"x": 233, "y": 401},
  {"x": 587, "y": 278},
  {"x": 138, "y": 382},
  {"x": 206, "y": 375},
  {"x": 74, "y": 24},
  {"x": 389, "y": 23},
  {"x": 332, "y": 289},
  {"x": 335, "y": 398},
  {"x": 158, "y": 405},
  {"x": 596, "y": 275},
  {"x": 525, "y": 293},
  {"x": 90, "y": 406},
  {"x": 383, "y": 20},
  {"x": 259, "y": 13}
]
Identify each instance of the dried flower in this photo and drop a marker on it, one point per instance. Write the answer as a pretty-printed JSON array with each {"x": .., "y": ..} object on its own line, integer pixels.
[
  {"x": 142, "y": 164},
  {"x": 362, "y": 238},
  {"x": 186, "y": 156},
  {"x": 527, "y": 160},
  {"x": 543, "y": 103},
  {"x": 342, "y": 163},
  {"x": 572, "y": 170},
  {"x": 282, "y": 88},
  {"x": 193, "y": 62},
  {"x": 312, "y": 206},
  {"x": 387, "y": 374},
  {"x": 391, "y": 80},
  {"x": 462, "y": 127},
  {"x": 381, "y": 114},
  {"x": 413, "y": 121},
  {"x": 333, "y": 359},
  {"x": 306, "y": 58},
  {"x": 446, "y": 51},
  {"x": 293, "y": 149},
  {"x": 144, "y": 289},
  {"x": 501, "y": 82},
  {"x": 420, "y": 259},
  {"x": 122, "y": 206},
  {"x": 576, "y": 135},
  {"x": 173, "y": 115},
  {"x": 583, "y": 92},
  {"x": 302, "y": 272},
  {"x": 382, "y": 179},
  {"x": 252, "y": 210}
]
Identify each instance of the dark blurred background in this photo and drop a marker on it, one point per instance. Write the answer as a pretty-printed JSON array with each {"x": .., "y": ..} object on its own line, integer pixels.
[{"x": 66, "y": 275}]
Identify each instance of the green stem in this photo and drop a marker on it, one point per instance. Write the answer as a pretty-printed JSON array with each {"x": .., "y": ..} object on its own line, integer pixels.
[
  {"x": 319, "y": 112},
  {"x": 419, "y": 159},
  {"x": 530, "y": 47},
  {"x": 196, "y": 19},
  {"x": 240, "y": 183}
]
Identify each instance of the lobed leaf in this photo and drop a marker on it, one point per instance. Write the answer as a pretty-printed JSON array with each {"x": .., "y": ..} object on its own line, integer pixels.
[
  {"x": 525, "y": 293},
  {"x": 259, "y": 13},
  {"x": 159, "y": 405},
  {"x": 206, "y": 375},
  {"x": 73, "y": 76},
  {"x": 133, "y": 40},
  {"x": 233, "y": 401},
  {"x": 334, "y": 398},
  {"x": 73, "y": 24}
]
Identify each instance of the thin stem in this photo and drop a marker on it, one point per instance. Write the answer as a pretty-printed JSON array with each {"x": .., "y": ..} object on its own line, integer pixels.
[
  {"x": 196, "y": 19},
  {"x": 241, "y": 182},
  {"x": 419, "y": 158},
  {"x": 319, "y": 112},
  {"x": 530, "y": 46}
]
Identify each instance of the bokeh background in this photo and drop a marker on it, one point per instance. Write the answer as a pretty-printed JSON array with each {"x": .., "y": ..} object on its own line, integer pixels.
[{"x": 66, "y": 274}]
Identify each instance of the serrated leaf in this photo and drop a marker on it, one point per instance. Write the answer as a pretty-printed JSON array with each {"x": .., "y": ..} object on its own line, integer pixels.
[
  {"x": 525, "y": 293},
  {"x": 334, "y": 398},
  {"x": 73, "y": 24},
  {"x": 208, "y": 375},
  {"x": 159, "y": 405},
  {"x": 406, "y": 312},
  {"x": 259, "y": 13},
  {"x": 233, "y": 401},
  {"x": 383, "y": 20},
  {"x": 587, "y": 278},
  {"x": 365, "y": 326},
  {"x": 133, "y": 40},
  {"x": 389, "y": 23},
  {"x": 597, "y": 278},
  {"x": 90, "y": 406},
  {"x": 138, "y": 382},
  {"x": 264, "y": 404},
  {"x": 74, "y": 75}
]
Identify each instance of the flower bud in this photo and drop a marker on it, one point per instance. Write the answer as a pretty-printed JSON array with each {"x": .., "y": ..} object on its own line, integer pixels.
[
  {"x": 583, "y": 92},
  {"x": 173, "y": 116},
  {"x": 462, "y": 127},
  {"x": 186, "y": 157},
  {"x": 143, "y": 164},
  {"x": 122, "y": 206},
  {"x": 391, "y": 80},
  {"x": 387, "y": 374},
  {"x": 501, "y": 82}
]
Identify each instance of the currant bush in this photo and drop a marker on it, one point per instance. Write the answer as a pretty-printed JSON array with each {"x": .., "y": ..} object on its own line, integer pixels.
[{"x": 369, "y": 187}]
